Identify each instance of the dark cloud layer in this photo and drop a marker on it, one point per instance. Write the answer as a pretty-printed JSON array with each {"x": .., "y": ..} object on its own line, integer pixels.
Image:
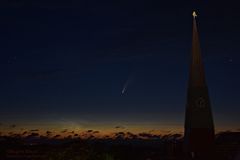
[{"x": 72, "y": 58}]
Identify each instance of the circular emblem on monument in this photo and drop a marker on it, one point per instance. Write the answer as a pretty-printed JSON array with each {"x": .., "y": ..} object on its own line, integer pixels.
[{"x": 201, "y": 102}]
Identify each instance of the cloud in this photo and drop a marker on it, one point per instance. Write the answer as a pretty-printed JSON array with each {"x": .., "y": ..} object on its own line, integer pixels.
[
  {"x": 120, "y": 127},
  {"x": 106, "y": 136},
  {"x": 57, "y": 136},
  {"x": 149, "y": 136},
  {"x": 34, "y": 130},
  {"x": 64, "y": 131},
  {"x": 13, "y": 126},
  {"x": 166, "y": 131},
  {"x": 48, "y": 133},
  {"x": 33, "y": 135},
  {"x": 176, "y": 136},
  {"x": 172, "y": 136},
  {"x": 91, "y": 137},
  {"x": 119, "y": 135},
  {"x": 24, "y": 133},
  {"x": 131, "y": 135},
  {"x": 89, "y": 131},
  {"x": 89, "y": 134},
  {"x": 69, "y": 136},
  {"x": 95, "y": 132}
]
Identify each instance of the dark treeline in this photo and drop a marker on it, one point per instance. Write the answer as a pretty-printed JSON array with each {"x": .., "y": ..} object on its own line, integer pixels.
[{"x": 121, "y": 147}]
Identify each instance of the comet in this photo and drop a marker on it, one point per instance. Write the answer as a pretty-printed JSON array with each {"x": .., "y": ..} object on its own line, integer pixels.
[
  {"x": 125, "y": 87},
  {"x": 129, "y": 80}
]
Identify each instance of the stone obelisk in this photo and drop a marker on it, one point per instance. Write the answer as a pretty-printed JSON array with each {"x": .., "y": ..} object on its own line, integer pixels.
[{"x": 199, "y": 126}]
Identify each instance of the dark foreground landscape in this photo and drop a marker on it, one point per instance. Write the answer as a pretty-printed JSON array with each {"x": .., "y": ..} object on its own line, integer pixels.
[{"x": 124, "y": 146}]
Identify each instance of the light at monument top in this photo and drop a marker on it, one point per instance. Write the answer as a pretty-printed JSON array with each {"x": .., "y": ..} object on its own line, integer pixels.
[{"x": 194, "y": 14}]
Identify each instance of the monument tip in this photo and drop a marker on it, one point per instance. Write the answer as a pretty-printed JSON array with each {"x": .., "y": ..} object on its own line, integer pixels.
[{"x": 194, "y": 14}]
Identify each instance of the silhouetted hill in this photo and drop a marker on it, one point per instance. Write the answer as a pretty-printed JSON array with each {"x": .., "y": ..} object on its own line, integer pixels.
[{"x": 121, "y": 147}]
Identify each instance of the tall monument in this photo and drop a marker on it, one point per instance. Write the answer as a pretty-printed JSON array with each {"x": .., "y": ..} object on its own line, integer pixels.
[{"x": 199, "y": 126}]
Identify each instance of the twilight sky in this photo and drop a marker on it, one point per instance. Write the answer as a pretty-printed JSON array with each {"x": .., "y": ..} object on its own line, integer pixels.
[{"x": 100, "y": 64}]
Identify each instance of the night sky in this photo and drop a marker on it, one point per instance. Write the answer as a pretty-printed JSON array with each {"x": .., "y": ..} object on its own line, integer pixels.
[{"x": 110, "y": 65}]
